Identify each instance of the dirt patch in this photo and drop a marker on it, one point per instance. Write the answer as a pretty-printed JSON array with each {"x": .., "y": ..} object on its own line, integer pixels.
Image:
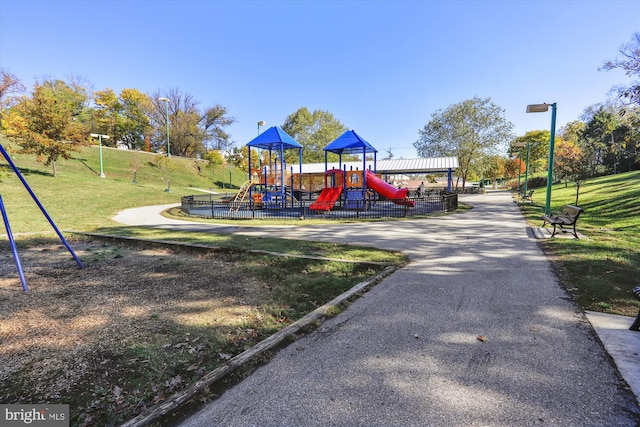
[
  {"x": 139, "y": 324},
  {"x": 80, "y": 336}
]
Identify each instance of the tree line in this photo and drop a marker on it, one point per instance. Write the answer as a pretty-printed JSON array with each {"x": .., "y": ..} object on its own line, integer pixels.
[
  {"x": 605, "y": 140},
  {"x": 59, "y": 116}
]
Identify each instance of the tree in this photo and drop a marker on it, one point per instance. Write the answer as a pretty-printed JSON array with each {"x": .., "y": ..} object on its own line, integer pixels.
[
  {"x": 190, "y": 129},
  {"x": 216, "y": 160},
  {"x": 47, "y": 124},
  {"x": 571, "y": 163},
  {"x": 313, "y": 131},
  {"x": 538, "y": 141},
  {"x": 472, "y": 130},
  {"x": 121, "y": 116},
  {"x": 213, "y": 121},
  {"x": 9, "y": 84},
  {"x": 630, "y": 158},
  {"x": 629, "y": 62},
  {"x": 495, "y": 168},
  {"x": 600, "y": 134},
  {"x": 513, "y": 167}
]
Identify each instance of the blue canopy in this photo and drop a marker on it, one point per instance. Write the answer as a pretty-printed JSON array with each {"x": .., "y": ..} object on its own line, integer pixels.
[
  {"x": 274, "y": 138},
  {"x": 350, "y": 143}
]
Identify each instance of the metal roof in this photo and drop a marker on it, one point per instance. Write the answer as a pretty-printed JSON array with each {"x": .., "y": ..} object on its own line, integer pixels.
[{"x": 405, "y": 166}]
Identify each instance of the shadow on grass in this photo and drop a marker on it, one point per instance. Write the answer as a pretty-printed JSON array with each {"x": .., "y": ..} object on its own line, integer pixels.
[
  {"x": 25, "y": 171},
  {"x": 84, "y": 163}
]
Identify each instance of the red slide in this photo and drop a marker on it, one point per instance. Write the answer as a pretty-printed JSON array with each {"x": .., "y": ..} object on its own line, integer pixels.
[
  {"x": 396, "y": 195},
  {"x": 326, "y": 199}
]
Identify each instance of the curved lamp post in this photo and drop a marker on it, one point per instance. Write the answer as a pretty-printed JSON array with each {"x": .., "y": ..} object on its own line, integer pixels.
[
  {"x": 542, "y": 108},
  {"x": 166, "y": 101}
]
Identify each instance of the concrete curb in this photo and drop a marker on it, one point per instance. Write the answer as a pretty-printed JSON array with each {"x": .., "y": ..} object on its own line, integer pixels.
[{"x": 174, "y": 402}]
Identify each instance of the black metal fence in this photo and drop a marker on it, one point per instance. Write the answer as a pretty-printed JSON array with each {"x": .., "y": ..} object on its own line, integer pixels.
[{"x": 206, "y": 206}]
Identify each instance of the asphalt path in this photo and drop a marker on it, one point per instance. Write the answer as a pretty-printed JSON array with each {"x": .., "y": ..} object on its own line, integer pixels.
[{"x": 474, "y": 331}]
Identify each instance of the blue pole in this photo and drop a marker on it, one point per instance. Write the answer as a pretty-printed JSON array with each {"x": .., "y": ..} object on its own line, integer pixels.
[
  {"x": 13, "y": 247},
  {"x": 35, "y": 199},
  {"x": 526, "y": 171},
  {"x": 547, "y": 208}
]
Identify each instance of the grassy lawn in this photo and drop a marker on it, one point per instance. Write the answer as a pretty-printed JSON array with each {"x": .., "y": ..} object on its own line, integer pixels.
[
  {"x": 79, "y": 199},
  {"x": 138, "y": 324},
  {"x": 599, "y": 271},
  {"x": 179, "y": 316}
]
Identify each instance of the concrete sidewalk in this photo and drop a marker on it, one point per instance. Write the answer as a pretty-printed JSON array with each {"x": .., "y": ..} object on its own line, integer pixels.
[{"x": 474, "y": 331}]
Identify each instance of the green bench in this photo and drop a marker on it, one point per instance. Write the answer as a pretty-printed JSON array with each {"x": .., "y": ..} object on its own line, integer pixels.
[{"x": 567, "y": 218}]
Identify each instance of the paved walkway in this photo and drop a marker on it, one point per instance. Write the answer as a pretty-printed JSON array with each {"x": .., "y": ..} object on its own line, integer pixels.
[{"x": 474, "y": 331}]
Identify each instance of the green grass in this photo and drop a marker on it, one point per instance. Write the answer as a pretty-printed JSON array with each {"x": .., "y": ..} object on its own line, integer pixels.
[
  {"x": 599, "y": 271},
  {"x": 267, "y": 244},
  {"x": 79, "y": 199}
]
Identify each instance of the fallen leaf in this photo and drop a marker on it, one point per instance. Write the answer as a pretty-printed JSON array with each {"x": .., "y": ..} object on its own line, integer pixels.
[{"x": 482, "y": 338}]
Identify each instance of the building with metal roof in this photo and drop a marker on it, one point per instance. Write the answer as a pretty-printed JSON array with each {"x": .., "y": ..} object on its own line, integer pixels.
[{"x": 418, "y": 166}]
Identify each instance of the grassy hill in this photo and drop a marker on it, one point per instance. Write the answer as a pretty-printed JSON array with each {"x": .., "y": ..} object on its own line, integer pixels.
[
  {"x": 79, "y": 199},
  {"x": 599, "y": 271}
]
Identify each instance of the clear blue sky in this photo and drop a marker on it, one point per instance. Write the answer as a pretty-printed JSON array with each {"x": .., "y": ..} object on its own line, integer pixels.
[{"x": 380, "y": 67}]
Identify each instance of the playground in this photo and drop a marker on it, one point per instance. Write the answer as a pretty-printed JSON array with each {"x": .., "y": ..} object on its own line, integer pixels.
[{"x": 276, "y": 190}]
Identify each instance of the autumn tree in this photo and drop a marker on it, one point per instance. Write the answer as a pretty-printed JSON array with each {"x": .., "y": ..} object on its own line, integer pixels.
[
  {"x": 314, "y": 131},
  {"x": 513, "y": 167},
  {"x": 190, "y": 129},
  {"x": 628, "y": 60},
  {"x": 495, "y": 168},
  {"x": 9, "y": 84},
  {"x": 538, "y": 142},
  {"x": 123, "y": 117},
  {"x": 571, "y": 163},
  {"x": 473, "y": 130},
  {"x": 47, "y": 123}
]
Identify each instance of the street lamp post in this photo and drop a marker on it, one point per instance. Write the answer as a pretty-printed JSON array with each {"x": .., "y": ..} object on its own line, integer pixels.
[
  {"x": 166, "y": 101},
  {"x": 541, "y": 108},
  {"x": 526, "y": 168},
  {"x": 100, "y": 136},
  {"x": 260, "y": 123},
  {"x": 517, "y": 156}
]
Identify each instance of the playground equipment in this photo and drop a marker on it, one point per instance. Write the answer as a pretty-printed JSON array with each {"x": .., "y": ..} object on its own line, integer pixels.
[
  {"x": 14, "y": 250},
  {"x": 353, "y": 185},
  {"x": 241, "y": 195},
  {"x": 396, "y": 195},
  {"x": 274, "y": 187}
]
